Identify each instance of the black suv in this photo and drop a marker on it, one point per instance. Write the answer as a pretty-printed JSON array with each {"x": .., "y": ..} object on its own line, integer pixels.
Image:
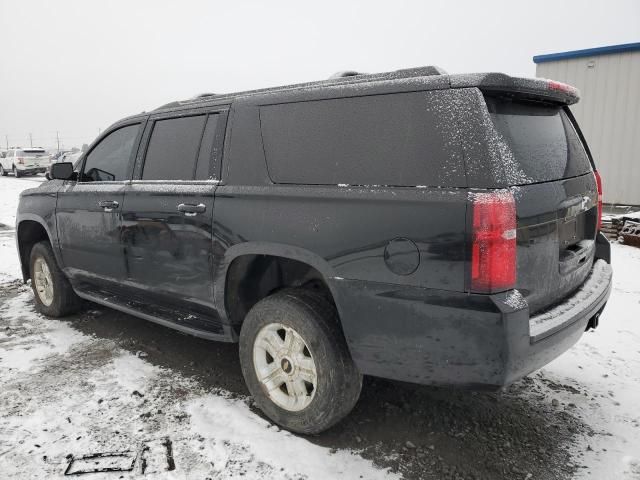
[{"x": 413, "y": 225}]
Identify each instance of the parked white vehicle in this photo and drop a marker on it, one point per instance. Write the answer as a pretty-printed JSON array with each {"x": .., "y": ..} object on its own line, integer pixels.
[{"x": 22, "y": 161}]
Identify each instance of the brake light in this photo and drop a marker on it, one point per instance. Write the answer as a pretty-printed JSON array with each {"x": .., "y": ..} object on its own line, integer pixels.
[
  {"x": 493, "y": 251},
  {"x": 20, "y": 160},
  {"x": 563, "y": 87},
  {"x": 599, "y": 185}
]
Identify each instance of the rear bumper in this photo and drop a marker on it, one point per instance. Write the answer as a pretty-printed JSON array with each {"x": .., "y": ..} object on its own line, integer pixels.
[
  {"x": 31, "y": 169},
  {"x": 435, "y": 337}
]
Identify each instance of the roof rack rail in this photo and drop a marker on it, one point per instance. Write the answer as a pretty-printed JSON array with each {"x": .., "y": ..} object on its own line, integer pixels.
[
  {"x": 203, "y": 95},
  {"x": 427, "y": 70},
  {"x": 406, "y": 72},
  {"x": 345, "y": 73},
  {"x": 181, "y": 102},
  {"x": 430, "y": 70},
  {"x": 168, "y": 105}
]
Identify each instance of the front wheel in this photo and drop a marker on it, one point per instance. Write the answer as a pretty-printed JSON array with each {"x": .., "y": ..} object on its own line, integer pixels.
[
  {"x": 53, "y": 293},
  {"x": 3, "y": 172},
  {"x": 16, "y": 173},
  {"x": 296, "y": 363}
]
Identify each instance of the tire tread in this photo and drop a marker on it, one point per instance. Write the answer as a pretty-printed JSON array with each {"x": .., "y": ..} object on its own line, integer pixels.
[
  {"x": 345, "y": 380},
  {"x": 65, "y": 300}
]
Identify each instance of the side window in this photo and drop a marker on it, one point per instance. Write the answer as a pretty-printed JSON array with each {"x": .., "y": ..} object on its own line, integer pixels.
[
  {"x": 174, "y": 148},
  {"x": 110, "y": 160},
  {"x": 207, "y": 154},
  {"x": 399, "y": 139}
]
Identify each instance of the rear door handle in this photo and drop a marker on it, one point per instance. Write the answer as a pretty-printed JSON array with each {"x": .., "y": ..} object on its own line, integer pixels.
[
  {"x": 108, "y": 205},
  {"x": 190, "y": 209}
]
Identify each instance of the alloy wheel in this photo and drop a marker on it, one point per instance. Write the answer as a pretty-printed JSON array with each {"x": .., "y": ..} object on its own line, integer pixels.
[
  {"x": 43, "y": 281},
  {"x": 285, "y": 367}
]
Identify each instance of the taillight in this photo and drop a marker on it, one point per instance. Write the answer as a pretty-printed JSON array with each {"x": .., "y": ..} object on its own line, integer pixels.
[
  {"x": 599, "y": 185},
  {"x": 493, "y": 251},
  {"x": 20, "y": 160}
]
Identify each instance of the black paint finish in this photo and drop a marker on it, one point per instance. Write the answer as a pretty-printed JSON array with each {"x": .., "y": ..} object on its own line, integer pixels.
[
  {"x": 394, "y": 257},
  {"x": 169, "y": 252}
]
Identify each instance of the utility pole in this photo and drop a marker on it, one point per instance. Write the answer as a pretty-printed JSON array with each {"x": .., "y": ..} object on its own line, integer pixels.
[
  {"x": 58, "y": 140},
  {"x": 30, "y": 140},
  {"x": 6, "y": 139}
]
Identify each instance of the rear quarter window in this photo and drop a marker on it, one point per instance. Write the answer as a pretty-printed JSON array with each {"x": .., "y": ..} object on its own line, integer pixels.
[{"x": 396, "y": 140}]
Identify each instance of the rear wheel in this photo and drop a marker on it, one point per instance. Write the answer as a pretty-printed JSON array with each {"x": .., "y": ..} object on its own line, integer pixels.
[
  {"x": 296, "y": 363},
  {"x": 53, "y": 294},
  {"x": 16, "y": 173},
  {"x": 3, "y": 172}
]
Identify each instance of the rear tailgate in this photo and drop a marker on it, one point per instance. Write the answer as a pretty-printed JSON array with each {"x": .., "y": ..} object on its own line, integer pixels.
[
  {"x": 553, "y": 183},
  {"x": 34, "y": 157}
]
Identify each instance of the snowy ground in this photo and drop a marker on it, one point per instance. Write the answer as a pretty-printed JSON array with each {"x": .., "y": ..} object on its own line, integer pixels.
[{"x": 103, "y": 382}]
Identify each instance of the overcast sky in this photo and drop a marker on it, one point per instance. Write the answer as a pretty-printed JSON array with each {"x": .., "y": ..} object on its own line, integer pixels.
[{"x": 78, "y": 66}]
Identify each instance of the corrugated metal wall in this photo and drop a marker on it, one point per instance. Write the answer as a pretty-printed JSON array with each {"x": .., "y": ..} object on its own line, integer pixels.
[{"x": 609, "y": 116}]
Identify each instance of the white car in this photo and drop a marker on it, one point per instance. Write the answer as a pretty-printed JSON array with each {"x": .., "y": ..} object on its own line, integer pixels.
[{"x": 23, "y": 161}]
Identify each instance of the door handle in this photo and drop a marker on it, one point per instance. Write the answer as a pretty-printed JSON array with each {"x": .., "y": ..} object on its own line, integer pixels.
[
  {"x": 190, "y": 209},
  {"x": 108, "y": 205}
]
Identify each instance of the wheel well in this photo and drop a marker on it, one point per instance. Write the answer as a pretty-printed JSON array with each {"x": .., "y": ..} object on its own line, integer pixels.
[
  {"x": 29, "y": 233},
  {"x": 250, "y": 278}
]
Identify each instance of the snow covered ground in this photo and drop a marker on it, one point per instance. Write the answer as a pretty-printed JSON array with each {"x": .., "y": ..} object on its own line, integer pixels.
[
  {"x": 604, "y": 367},
  {"x": 10, "y": 188},
  {"x": 65, "y": 394}
]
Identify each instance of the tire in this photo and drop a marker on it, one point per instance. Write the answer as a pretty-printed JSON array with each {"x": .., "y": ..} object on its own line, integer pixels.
[
  {"x": 61, "y": 300},
  {"x": 3, "y": 172},
  {"x": 16, "y": 173},
  {"x": 314, "y": 320}
]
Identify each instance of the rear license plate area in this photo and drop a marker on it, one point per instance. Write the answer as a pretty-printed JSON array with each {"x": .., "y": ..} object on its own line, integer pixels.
[{"x": 568, "y": 232}]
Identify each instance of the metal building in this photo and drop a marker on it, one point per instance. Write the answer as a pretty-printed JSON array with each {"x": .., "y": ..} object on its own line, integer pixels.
[{"x": 608, "y": 111}]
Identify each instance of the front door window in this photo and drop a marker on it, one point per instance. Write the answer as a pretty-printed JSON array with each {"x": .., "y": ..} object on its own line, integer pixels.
[{"x": 110, "y": 160}]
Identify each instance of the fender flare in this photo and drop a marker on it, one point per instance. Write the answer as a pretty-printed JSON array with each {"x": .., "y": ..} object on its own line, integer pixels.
[
  {"x": 261, "y": 248},
  {"x": 23, "y": 217}
]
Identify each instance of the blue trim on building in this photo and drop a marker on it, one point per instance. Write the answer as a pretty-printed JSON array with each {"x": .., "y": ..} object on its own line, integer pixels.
[{"x": 587, "y": 52}]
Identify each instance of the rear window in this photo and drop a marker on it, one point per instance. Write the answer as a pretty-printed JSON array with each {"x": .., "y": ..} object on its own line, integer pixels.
[
  {"x": 395, "y": 140},
  {"x": 544, "y": 144},
  {"x": 30, "y": 152}
]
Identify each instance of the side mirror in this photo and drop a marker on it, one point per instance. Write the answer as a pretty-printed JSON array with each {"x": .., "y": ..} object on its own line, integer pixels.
[{"x": 61, "y": 171}]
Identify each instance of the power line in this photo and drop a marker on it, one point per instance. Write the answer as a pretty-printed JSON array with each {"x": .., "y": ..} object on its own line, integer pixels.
[{"x": 52, "y": 141}]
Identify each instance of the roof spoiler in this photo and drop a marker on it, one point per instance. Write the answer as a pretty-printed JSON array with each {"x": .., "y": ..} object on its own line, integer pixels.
[{"x": 534, "y": 88}]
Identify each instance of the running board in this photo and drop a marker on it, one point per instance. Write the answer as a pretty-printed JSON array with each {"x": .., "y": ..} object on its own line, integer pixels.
[{"x": 224, "y": 333}]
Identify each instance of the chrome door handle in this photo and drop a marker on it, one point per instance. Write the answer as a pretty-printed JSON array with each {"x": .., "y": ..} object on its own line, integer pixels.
[
  {"x": 190, "y": 209},
  {"x": 108, "y": 205}
]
